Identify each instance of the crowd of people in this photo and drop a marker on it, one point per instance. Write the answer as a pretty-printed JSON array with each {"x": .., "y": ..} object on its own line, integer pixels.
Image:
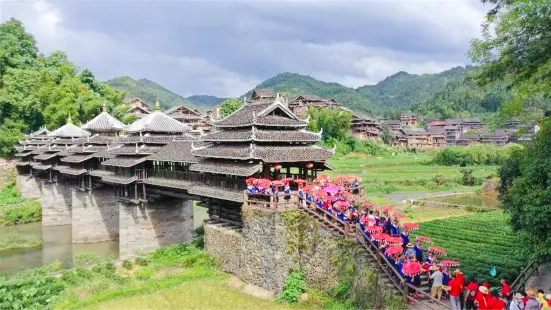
[{"x": 415, "y": 260}]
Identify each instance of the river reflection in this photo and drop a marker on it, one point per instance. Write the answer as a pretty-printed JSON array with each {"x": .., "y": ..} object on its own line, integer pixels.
[{"x": 57, "y": 246}]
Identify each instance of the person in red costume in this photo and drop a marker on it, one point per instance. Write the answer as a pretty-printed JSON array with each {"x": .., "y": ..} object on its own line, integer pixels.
[
  {"x": 455, "y": 293},
  {"x": 495, "y": 303},
  {"x": 472, "y": 290},
  {"x": 461, "y": 279},
  {"x": 505, "y": 289},
  {"x": 482, "y": 299}
]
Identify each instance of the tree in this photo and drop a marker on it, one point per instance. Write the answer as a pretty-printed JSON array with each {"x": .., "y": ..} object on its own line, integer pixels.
[
  {"x": 516, "y": 45},
  {"x": 525, "y": 191},
  {"x": 17, "y": 47},
  {"x": 229, "y": 106},
  {"x": 334, "y": 122}
]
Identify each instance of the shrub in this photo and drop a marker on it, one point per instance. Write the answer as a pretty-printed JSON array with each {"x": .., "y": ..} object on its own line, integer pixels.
[
  {"x": 483, "y": 154},
  {"x": 295, "y": 286},
  {"x": 142, "y": 261},
  {"x": 127, "y": 264},
  {"x": 439, "y": 179},
  {"x": 145, "y": 273}
]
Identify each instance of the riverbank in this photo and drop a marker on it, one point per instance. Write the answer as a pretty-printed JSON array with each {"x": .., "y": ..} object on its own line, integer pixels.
[
  {"x": 10, "y": 242},
  {"x": 176, "y": 277},
  {"x": 14, "y": 209}
]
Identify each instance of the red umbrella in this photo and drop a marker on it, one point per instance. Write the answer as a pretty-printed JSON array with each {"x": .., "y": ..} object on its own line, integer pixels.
[
  {"x": 394, "y": 240},
  {"x": 368, "y": 204},
  {"x": 380, "y": 236},
  {"x": 399, "y": 216},
  {"x": 341, "y": 203},
  {"x": 250, "y": 180},
  {"x": 394, "y": 250},
  {"x": 278, "y": 183},
  {"x": 438, "y": 250},
  {"x": 412, "y": 269},
  {"x": 330, "y": 198},
  {"x": 262, "y": 181},
  {"x": 424, "y": 239},
  {"x": 300, "y": 181},
  {"x": 449, "y": 263},
  {"x": 331, "y": 190},
  {"x": 323, "y": 177},
  {"x": 319, "y": 192},
  {"x": 374, "y": 229},
  {"x": 308, "y": 187},
  {"x": 286, "y": 180},
  {"x": 410, "y": 226}
]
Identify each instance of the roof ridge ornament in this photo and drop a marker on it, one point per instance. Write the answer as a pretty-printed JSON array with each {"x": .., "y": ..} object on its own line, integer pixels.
[
  {"x": 69, "y": 120},
  {"x": 157, "y": 104},
  {"x": 105, "y": 106},
  {"x": 334, "y": 149}
]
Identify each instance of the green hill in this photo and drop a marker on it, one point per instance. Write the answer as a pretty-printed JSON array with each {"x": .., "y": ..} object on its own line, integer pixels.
[
  {"x": 292, "y": 84},
  {"x": 148, "y": 91},
  {"x": 401, "y": 90},
  {"x": 205, "y": 100}
]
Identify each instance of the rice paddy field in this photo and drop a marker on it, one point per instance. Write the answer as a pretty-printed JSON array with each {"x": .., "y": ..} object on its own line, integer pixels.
[
  {"x": 406, "y": 173},
  {"x": 478, "y": 241}
]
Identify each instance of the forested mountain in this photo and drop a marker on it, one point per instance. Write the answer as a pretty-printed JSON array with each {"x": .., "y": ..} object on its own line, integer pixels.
[
  {"x": 148, "y": 91},
  {"x": 43, "y": 90},
  {"x": 205, "y": 100},
  {"x": 401, "y": 90},
  {"x": 292, "y": 84}
]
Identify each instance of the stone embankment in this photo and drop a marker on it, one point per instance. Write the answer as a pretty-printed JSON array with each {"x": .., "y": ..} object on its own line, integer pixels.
[
  {"x": 273, "y": 243},
  {"x": 5, "y": 174}
]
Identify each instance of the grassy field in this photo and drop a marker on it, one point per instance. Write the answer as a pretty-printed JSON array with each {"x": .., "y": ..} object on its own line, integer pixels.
[
  {"x": 10, "y": 242},
  {"x": 14, "y": 209},
  {"x": 407, "y": 173},
  {"x": 478, "y": 241}
]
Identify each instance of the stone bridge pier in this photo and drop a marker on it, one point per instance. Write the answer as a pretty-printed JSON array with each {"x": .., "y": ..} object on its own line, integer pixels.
[
  {"x": 28, "y": 186},
  {"x": 95, "y": 215},
  {"x": 56, "y": 202},
  {"x": 149, "y": 226}
]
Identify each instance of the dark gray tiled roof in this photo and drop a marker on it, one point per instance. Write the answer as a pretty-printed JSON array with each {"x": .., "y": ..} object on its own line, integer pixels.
[
  {"x": 172, "y": 183},
  {"x": 118, "y": 179},
  {"x": 226, "y": 167},
  {"x": 217, "y": 192},
  {"x": 40, "y": 132},
  {"x": 172, "y": 110},
  {"x": 23, "y": 154},
  {"x": 275, "y": 154},
  {"x": 100, "y": 173},
  {"x": 157, "y": 122},
  {"x": 286, "y": 136},
  {"x": 125, "y": 162},
  {"x": 104, "y": 122},
  {"x": 272, "y": 120},
  {"x": 46, "y": 156},
  {"x": 69, "y": 131},
  {"x": 103, "y": 154},
  {"x": 76, "y": 158},
  {"x": 156, "y": 139},
  {"x": 243, "y": 116},
  {"x": 263, "y": 92},
  {"x": 87, "y": 149},
  {"x": 70, "y": 171},
  {"x": 229, "y": 135},
  {"x": 175, "y": 152},
  {"x": 39, "y": 166},
  {"x": 132, "y": 150},
  {"x": 22, "y": 163},
  {"x": 234, "y": 151}
]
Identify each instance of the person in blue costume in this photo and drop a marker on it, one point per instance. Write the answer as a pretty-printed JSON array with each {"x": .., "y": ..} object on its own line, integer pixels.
[
  {"x": 300, "y": 195},
  {"x": 356, "y": 187},
  {"x": 410, "y": 252},
  {"x": 308, "y": 199},
  {"x": 395, "y": 228},
  {"x": 287, "y": 192},
  {"x": 319, "y": 202},
  {"x": 431, "y": 259},
  {"x": 405, "y": 237},
  {"x": 419, "y": 250}
]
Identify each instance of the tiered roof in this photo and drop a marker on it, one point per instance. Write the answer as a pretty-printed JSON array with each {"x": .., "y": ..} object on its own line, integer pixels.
[
  {"x": 183, "y": 113},
  {"x": 104, "y": 122},
  {"x": 157, "y": 122},
  {"x": 257, "y": 133}
]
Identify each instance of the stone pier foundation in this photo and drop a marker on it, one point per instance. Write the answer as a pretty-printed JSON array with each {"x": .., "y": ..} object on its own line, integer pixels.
[
  {"x": 28, "y": 186},
  {"x": 146, "y": 227},
  {"x": 56, "y": 204},
  {"x": 95, "y": 215}
]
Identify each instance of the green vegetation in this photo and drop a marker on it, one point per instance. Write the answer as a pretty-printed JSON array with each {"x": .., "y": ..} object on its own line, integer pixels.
[
  {"x": 407, "y": 173},
  {"x": 295, "y": 286},
  {"x": 482, "y": 154},
  {"x": 148, "y": 91},
  {"x": 16, "y": 210},
  {"x": 10, "y": 242},
  {"x": 205, "y": 100},
  {"x": 229, "y": 106},
  {"x": 478, "y": 242},
  {"x": 524, "y": 190},
  {"x": 292, "y": 85},
  {"x": 38, "y": 90}
]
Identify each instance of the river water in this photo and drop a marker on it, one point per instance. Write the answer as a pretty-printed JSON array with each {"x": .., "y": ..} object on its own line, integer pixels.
[{"x": 57, "y": 245}]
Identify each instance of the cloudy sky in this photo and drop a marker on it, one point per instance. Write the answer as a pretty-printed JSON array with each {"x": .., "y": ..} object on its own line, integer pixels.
[{"x": 225, "y": 48}]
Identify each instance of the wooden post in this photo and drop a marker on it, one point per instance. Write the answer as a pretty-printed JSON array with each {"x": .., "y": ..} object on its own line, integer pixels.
[
  {"x": 144, "y": 194},
  {"x": 406, "y": 292},
  {"x": 136, "y": 190}
]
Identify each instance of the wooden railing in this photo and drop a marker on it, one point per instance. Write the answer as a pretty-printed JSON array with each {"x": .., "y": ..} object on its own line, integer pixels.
[
  {"x": 208, "y": 180},
  {"x": 524, "y": 275},
  {"x": 274, "y": 202}
]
